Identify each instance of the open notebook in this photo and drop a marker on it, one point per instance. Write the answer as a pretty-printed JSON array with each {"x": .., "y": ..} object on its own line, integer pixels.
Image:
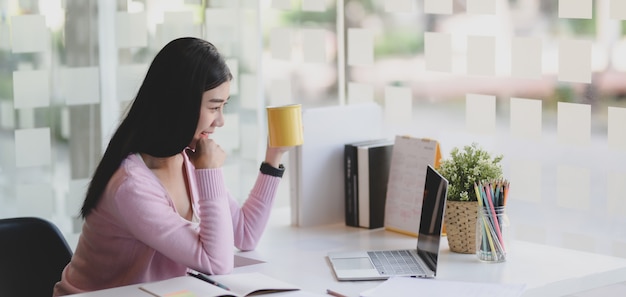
[
  {"x": 238, "y": 285},
  {"x": 416, "y": 262}
]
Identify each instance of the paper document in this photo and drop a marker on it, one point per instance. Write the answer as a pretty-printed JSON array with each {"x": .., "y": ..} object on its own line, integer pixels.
[
  {"x": 408, "y": 286},
  {"x": 297, "y": 294},
  {"x": 225, "y": 285}
]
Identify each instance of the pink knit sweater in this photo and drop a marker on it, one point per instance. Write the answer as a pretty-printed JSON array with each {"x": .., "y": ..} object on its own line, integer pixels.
[{"x": 135, "y": 235}]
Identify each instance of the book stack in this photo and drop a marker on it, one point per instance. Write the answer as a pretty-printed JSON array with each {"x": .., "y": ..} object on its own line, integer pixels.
[{"x": 366, "y": 174}]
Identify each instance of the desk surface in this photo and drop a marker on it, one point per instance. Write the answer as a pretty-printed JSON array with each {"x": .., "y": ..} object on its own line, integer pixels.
[{"x": 298, "y": 256}]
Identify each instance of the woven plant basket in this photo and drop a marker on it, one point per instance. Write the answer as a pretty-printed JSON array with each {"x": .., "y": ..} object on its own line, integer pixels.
[{"x": 460, "y": 221}]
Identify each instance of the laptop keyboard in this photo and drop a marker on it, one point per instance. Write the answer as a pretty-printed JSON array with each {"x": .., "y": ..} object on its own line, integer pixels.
[{"x": 395, "y": 262}]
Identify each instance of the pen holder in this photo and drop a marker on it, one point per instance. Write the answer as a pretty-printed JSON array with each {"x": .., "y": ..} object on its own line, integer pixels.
[{"x": 492, "y": 226}]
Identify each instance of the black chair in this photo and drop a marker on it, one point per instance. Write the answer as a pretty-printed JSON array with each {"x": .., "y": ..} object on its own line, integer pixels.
[{"x": 33, "y": 253}]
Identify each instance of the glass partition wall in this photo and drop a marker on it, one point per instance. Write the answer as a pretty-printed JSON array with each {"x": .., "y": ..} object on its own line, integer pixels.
[
  {"x": 541, "y": 82},
  {"x": 71, "y": 68}
]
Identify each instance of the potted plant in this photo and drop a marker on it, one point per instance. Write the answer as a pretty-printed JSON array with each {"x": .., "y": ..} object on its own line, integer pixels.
[{"x": 466, "y": 166}]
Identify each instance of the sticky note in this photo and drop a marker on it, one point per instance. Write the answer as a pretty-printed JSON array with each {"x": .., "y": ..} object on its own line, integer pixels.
[
  {"x": 35, "y": 200},
  {"x": 360, "y": 47},
  {"x": 616, "y": 187},
  {"x": 526, "y": 118},
  {"x": 131, "y": 29},
  {"x": 575, "y": 61},
  {"x": 399, "y": 6},
  {"x": 5, "y": 37},
  {"x": 576, "y": 9},
  {"x": 573, "y": 187},
  {"x": 281, "y": 4},
  {"x": 481, "y": 6},
  {"x": 31, "y": 88},
  {"x": 480, "y": 113},
  {"x": 617, "y": 9},
  {"x": 360, "y": 93},
  {"x": 177, "y": 24},
  {"x": 616, "y": 133},
  {"x": 183, "y": 293},
  {"x": 181, "y": 17},
  {"x": 80, "y": 85},
  {"x": 29, "y": 34},
  {"x": 314, "y": 5},
  {"x": 526, "y": 53},
  {"x": 246, "y": 4},
  {"x": 573, "y": 123},
  {"x": 398, "y": 105},
  {"x": 129, "y": 78},
  {"x": 220, "y": 17},
  {"x": 280, "y": 92},
  {"x": 481, "y": 53},
  {"x": 438, "y": 6},
  {"x": 281, "y": 43},
  {"x": 32, "y": 147},
  {"x": 233, "y": 65},
  {"x": 527, "y": 176},
  {"x": 249, "y": 94},
  {"x": 250, "y": 47},
  {"x": 314, "y": 45},
  {"x": 438, "y": 51}
]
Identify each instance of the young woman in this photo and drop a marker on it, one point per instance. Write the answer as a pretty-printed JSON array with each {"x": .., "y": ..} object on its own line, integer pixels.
[{"x": 157, "y": 205}]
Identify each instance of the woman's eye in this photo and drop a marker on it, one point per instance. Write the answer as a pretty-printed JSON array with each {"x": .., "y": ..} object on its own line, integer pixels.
[{"x": 217, "y": 108}]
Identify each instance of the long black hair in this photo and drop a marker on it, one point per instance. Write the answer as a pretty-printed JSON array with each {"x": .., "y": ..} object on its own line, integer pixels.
[{"x": 163, "y": 117}]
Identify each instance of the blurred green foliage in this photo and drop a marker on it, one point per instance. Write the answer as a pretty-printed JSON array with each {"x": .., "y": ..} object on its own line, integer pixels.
[
  {"x": 6, "y": 75},
  {"x": 563, "y": 93},
  {"x": 6, "y": 87},
  {"x": 302, "y": 17},
  {"x": 582, "y": 26},
  {"x": 399, "y": 43}
]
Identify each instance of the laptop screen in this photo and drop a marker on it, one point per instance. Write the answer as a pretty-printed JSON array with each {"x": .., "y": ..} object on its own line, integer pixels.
[{"x": 435, "y": 191}]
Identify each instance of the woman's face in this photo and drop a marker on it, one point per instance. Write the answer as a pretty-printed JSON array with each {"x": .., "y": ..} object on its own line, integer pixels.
[{"x": 211, "y": 112}]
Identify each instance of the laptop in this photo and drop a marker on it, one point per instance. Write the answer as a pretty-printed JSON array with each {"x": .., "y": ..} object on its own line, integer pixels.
[{"x": 418, "y": 262}]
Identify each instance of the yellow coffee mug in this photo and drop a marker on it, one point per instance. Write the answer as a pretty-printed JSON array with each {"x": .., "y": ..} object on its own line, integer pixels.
[{"x": 284, "y": 125}]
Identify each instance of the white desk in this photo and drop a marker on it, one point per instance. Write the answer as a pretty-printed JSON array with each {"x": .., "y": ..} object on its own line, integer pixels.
[{"x": 298, "y": 256}]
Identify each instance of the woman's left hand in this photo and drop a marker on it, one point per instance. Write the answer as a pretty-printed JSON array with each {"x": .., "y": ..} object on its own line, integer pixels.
[{"x": 273, "y": 155}]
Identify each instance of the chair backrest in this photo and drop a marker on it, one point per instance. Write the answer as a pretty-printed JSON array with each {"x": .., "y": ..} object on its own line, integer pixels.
[{"x": 33, "y": 253}]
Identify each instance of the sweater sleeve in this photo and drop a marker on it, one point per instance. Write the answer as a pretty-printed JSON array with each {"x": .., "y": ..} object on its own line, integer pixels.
[
  {"x": 250, "y": 220},
  {"x": 149, "y": 216}
]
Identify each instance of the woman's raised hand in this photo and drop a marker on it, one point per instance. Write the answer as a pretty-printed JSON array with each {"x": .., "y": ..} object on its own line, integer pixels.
[{"x": 208, "y": 154}]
